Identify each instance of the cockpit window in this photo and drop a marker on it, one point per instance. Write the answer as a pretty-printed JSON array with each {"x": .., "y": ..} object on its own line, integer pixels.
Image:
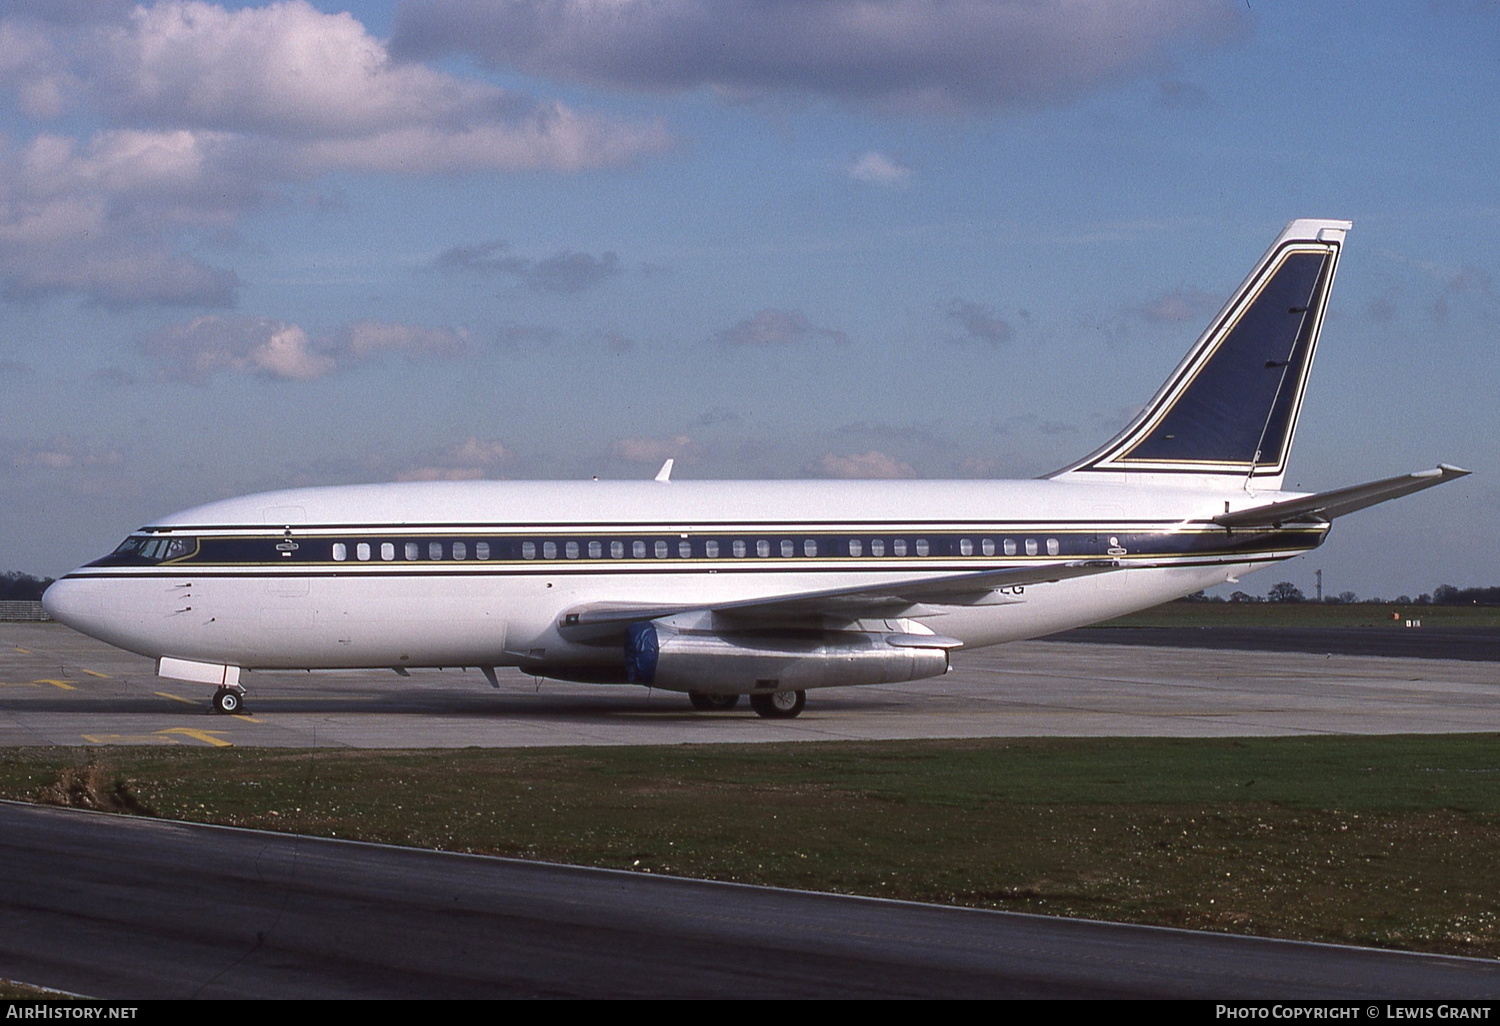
[{"x": 148, "y": 548}]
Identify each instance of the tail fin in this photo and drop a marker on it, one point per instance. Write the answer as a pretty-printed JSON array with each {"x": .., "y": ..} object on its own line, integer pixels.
[{"x": 1230, "y": 408}]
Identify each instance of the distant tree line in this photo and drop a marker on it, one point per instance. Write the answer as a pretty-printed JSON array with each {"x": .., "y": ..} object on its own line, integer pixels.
[
  {"x": 19, "y": 587},
  {"x": 1286, "y": 591}
]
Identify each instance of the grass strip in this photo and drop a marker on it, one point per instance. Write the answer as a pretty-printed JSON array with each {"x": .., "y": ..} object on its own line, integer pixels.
[{"x": 1385, "y": 841}]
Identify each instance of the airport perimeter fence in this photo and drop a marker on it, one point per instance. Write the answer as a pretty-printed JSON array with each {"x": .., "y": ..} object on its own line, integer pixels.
[{"x": 22, "y": 611}]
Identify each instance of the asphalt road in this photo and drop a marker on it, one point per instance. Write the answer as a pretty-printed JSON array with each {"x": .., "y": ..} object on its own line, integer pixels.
[{"x": 137, "y": 909}]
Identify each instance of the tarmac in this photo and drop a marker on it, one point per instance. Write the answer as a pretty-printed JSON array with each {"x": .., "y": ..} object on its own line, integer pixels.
[{"x": 58, "y": 687}]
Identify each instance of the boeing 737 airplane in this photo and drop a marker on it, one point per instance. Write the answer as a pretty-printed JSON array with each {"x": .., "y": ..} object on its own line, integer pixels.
[{"x": 727, "y": 588}]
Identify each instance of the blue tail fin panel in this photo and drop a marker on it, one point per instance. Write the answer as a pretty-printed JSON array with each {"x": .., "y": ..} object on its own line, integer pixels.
[
  {"x": 1221, "y": 416},
  {"x": 1231, "y": 407}
]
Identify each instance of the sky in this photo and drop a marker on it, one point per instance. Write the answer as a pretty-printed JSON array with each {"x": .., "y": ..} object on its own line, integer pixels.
[{"x": 246, "y": 247}]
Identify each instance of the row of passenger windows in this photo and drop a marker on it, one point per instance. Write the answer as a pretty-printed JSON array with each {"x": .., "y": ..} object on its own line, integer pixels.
[
  {"x": 364, "y": 551},
  {"x": 705, "y": 548}
]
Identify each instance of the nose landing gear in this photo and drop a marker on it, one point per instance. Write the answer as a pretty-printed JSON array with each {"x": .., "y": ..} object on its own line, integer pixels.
[{"x": 229, "y": 701}]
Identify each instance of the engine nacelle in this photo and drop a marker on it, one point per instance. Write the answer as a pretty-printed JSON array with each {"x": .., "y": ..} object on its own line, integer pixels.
[{"x": 742, "y": 662}]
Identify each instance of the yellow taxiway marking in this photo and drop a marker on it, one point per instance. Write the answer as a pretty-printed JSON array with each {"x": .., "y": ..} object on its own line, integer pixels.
[
  {"x": 157, "y": 738},
  {"x": 190, "y": 701},
  {"x": 23, "y": 651},
  {"x": 93, "y": 673},
  {"x": 56, "y": 683},
  {"x": 206, "y": 736}
]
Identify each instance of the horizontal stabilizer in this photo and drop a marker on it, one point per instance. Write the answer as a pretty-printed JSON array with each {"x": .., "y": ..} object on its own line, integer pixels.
[
  {"x": 888, "y": 599},
  {"x": 1327, "y": 505}
]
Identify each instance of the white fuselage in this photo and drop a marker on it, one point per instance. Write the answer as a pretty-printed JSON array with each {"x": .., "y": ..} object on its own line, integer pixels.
[{"x": 479, "y": 573}]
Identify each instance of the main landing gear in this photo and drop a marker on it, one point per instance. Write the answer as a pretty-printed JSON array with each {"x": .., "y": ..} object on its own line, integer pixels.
[
  {"x": 778, "y": 705},
  {"x": 772, "y": 705},
  {"x": 228, "y": 701}
]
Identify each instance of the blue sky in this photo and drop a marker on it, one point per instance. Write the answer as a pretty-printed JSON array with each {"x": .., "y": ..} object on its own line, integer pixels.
[{"x": 251, "y": 246}]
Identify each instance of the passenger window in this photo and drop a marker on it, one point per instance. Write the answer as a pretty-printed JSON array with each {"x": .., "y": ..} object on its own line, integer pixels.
[
  {"x": 787, "y": 548},
  {"x": 762, "y": 548},
  {"x": 362, "y": 550},
  {"x": 481, "y": 550},
  {"x": 616, "y": 550},
  {"x": 1030, "y": 546},
  {"x": 528, "y": 550},
  {"x": 571, "y": 550},
  {"x": 711, "y": 549},
  {"x": 460, "y": 550},
  {"x": 987, "y": 546},
  {"x": 387, "y": 551},
  {"x": 685, "y": 549},
  {"x": 739, "y": 547},
  {"x": 549, "y": 550},
  {"x": 877, "y": 546},
  {"x": 638, "y": 549},
  {"x": 596, "y": 549},
  {"x": 412, "y": 550},
  {"x": 810, "y": 547},
  {"x": 922, "y": 546},
  {"x": 855, "y": 549},
  {"x": 1053, "y": 548},
  {"x": 435, "y": 550},
  {"x": 898, "y": 547},
  {"x": 660, "y": 548},
  {"x": 1010, "y": 546},
  {"x": 965, "y": 547},
  {"x": 340, "y": 551}
]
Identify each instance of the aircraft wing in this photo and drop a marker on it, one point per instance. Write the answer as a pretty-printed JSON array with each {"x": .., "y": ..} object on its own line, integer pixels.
[
  {"x": 1327, "y": 505},
  {"x": 891, "y": 599}
]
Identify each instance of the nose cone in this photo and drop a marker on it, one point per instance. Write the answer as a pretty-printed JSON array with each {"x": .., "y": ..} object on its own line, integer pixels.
[
  {"x": 108, "y": 609},
  {"x": 73, "y": 602}
]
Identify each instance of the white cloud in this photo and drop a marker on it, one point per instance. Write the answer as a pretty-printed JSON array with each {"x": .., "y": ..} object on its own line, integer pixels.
[
  {"x": 61, "y": 452},
  {"x": 199, "y": 349},
  {"x": 774, "y": 328},
  {"x": 366, "y": 339},
  {"x": 654, "y": 450},
  {"x": 872, "y": 464},
  {"x": 911, "y": 55},
  {"x": 878, "y": 169},
  {"x": 207, "y": 111},
  {"x": 1174, "y": 307},
  {"x": 468, "y": 460},
  {"x": 563, "y": 273}
]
